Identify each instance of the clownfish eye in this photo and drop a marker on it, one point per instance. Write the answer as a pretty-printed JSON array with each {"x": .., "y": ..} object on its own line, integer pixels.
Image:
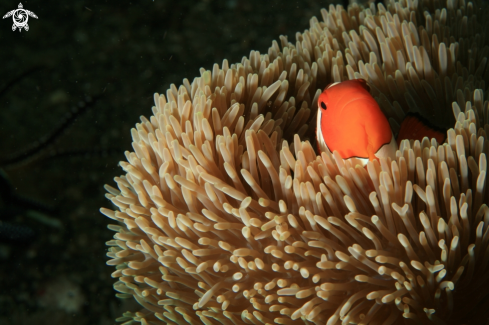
[{"x": 323, "y": 105}]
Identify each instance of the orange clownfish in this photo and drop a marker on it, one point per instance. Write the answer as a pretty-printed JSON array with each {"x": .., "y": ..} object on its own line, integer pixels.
[{"x": 350, "y": 121}]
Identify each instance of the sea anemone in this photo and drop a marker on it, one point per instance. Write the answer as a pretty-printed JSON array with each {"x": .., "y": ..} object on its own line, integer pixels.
[{"x": 227, "y": 215}]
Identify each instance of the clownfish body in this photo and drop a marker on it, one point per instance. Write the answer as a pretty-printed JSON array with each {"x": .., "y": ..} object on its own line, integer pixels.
[{"x": 350, "y": 121}]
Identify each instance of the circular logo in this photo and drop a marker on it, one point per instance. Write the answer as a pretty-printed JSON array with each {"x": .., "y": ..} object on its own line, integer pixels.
[{"x": 20, "y": 18}]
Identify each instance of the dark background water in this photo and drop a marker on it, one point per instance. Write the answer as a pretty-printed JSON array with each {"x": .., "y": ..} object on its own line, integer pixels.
[{"x": 124, "y": 51}]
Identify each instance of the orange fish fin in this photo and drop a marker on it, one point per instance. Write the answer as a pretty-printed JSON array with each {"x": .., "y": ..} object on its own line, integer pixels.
[
  {"x": 363, "y": 83},
  {"x": 414, "y": 127},
  {"x": 371, "y": 152}
]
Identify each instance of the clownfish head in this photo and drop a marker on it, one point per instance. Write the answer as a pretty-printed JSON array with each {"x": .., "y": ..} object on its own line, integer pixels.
[{"x": 350, "y": 121}]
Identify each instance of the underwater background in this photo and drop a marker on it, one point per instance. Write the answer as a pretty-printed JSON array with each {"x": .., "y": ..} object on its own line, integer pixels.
[{"x": 71, "y": 88}]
